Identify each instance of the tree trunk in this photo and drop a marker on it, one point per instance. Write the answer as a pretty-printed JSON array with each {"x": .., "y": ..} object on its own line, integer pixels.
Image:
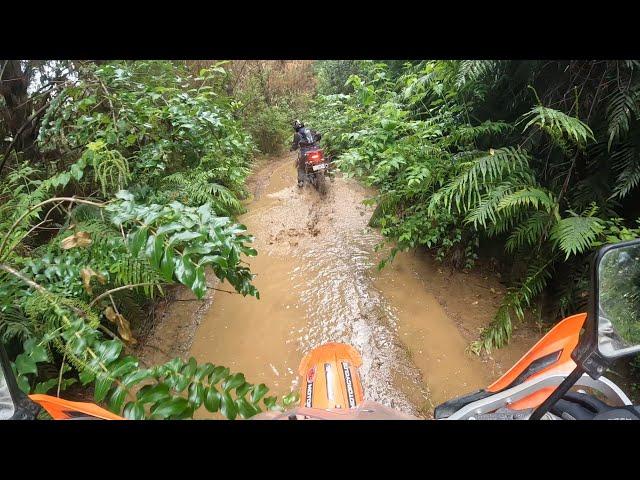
[{"x": 18, "y": 108}]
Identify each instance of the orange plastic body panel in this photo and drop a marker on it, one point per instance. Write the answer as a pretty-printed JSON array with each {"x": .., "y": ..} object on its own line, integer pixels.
[
  {"x": 330, "y": 378},
  {"x": 60, "y": 409},
  {"x": 564, "y": 336}
]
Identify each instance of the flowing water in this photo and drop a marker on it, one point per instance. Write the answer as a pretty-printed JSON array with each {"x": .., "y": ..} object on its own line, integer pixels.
[{"x": 318, "y": 281}]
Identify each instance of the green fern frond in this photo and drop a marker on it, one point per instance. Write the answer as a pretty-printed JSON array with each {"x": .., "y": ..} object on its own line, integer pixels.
[
  {"x": 576, "y": 234},
  {"x": 558, "y": 125},
  {"x": 465, "y": 189},
  {"x": 622, "y": 108},
  {"x": 505, "y": 223},
  {"x": 14, "y": 325},
  {"x": 529, "y": 232},
  {"x": 627, "y": 181},
  {"x": 488, "y": 206},
  {"x": 472, "y": 70},
  {"x": 535, "y": 197},
  {"x": 385, "y": 205},
  {"x": 198, "y": 187},
  {"x": 468, "y": 133},
  {"x": 624, "y": 157},
  {"x": 499, "y": 331}
]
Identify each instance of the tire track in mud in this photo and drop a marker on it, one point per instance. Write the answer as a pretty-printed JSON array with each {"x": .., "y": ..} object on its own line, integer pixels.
[
  {"x": 315, "y": 257},
  {"x": 318, "y": 282},
  {"x": 343, "y": 305}
]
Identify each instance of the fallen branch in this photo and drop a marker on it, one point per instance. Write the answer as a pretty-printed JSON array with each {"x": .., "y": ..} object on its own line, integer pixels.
[{"x": 113, "y": 290}]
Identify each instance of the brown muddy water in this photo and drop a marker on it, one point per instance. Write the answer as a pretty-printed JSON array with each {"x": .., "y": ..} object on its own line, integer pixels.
[{"x": 316, "y": 271}]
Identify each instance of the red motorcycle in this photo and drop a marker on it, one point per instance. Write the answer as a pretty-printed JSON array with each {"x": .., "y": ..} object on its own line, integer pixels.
[{"x": 316, "y": 167}]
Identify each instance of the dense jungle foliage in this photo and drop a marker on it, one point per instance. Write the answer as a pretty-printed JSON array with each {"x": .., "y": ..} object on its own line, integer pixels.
[
  {"x": 119, "y": 178},
  {"x": 538, "y": 158}
]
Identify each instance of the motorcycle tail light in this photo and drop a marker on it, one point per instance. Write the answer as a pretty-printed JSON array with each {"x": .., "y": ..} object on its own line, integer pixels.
[{"x": 315, "y": 157}]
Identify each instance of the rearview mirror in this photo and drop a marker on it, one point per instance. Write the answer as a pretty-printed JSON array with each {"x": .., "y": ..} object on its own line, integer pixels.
[{"x": 617, "y": 299}]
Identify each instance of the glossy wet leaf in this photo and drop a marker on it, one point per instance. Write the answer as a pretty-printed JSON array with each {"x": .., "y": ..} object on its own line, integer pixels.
[
  {"x": 153, "y": 393},
  {"x": 228, "y": 407},
  {"x": 101, "y": 388},
  {"x": 258, "y": 392},
  {"x": 196, "y": 394},
  {"x": 134, "y": 411},
  {"x": 167, "y": 265},
  {"x": 212, "y": 399},
  {"x": 245, "y": 409},
  {"x": 170, "y": 407},
  {"x": 233, "y": 381}
]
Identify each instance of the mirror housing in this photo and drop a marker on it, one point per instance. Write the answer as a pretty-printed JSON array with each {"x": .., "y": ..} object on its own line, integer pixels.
[{"x": 612, "y": 330}]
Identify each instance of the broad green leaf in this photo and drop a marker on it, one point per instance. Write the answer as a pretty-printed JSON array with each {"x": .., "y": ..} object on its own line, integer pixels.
[
  {"x": 228, "y": 408},
  {"x": 122, "y": 366},
  {"x": 117, "y": 399},
  {"x": 44, "y": 387},
  {"x": 101, "y": 388},
  {"x": 25, "y": 364},
  {"x": 242, "y": 390},
  {"x": 23, "y": 383},
  {"x": 190, "y": 368},
  {"x": 109, "y": 350},
  {"x": 137, "y": 240},
  {"x": 219, "y": 373},
  {"x": 203, "y": 371},
  {"x": 185, "y": 271},
  {"x": 199, "y": 285},
  {"x": 170, "y": 407},
  {"x": 135, "y": 377},
  {"x": 233, "y": 381},
  {"x": 154, "y": 250},
  {"x": 245, "y": 409},
  {"x": 134, "y": 411},
  {"x": 167, "y": 265},
  {"x": 153, "y": 393},
  {"x": 196, "y": 394},
  {"x": 258, "y": 392},
  {"x": 212, "y": 399},
  {"x": 86, "y": 376},
  {"x": 184, "y": 237}
]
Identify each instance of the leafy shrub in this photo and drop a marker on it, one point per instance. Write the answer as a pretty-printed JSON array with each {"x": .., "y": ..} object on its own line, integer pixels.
[
  {"x": 464, "y": 152},
  {"x": 149, "y": 164}
]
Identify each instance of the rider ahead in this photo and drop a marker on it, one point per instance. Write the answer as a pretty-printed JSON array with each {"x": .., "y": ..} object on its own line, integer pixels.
[{"x": 305, "y": 139}]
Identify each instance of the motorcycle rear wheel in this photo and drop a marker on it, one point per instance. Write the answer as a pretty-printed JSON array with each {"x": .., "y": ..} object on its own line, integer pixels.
[{"x": 321, "y": 183}]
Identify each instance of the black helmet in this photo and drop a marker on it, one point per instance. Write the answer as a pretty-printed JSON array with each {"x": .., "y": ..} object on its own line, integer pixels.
[{"x": 297, "y": 125}]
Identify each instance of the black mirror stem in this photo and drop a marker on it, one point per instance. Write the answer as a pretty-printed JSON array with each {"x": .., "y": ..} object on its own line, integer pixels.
[{"x": 557, "y": 394}]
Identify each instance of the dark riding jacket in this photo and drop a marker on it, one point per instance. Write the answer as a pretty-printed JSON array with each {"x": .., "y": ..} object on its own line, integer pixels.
[{"x": 305, "y": 138}]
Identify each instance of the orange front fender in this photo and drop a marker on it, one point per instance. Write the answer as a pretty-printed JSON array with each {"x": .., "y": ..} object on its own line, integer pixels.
[
  {"x": 330, "y": 378},
  {"x": 60, "y": 409}
]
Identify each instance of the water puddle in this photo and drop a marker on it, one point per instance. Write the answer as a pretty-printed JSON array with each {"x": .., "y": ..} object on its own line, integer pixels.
[{"x": 316, "y": 272}]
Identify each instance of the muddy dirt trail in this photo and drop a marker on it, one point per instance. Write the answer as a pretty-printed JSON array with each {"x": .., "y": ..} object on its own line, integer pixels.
[{"x": 318, "y": 281}]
